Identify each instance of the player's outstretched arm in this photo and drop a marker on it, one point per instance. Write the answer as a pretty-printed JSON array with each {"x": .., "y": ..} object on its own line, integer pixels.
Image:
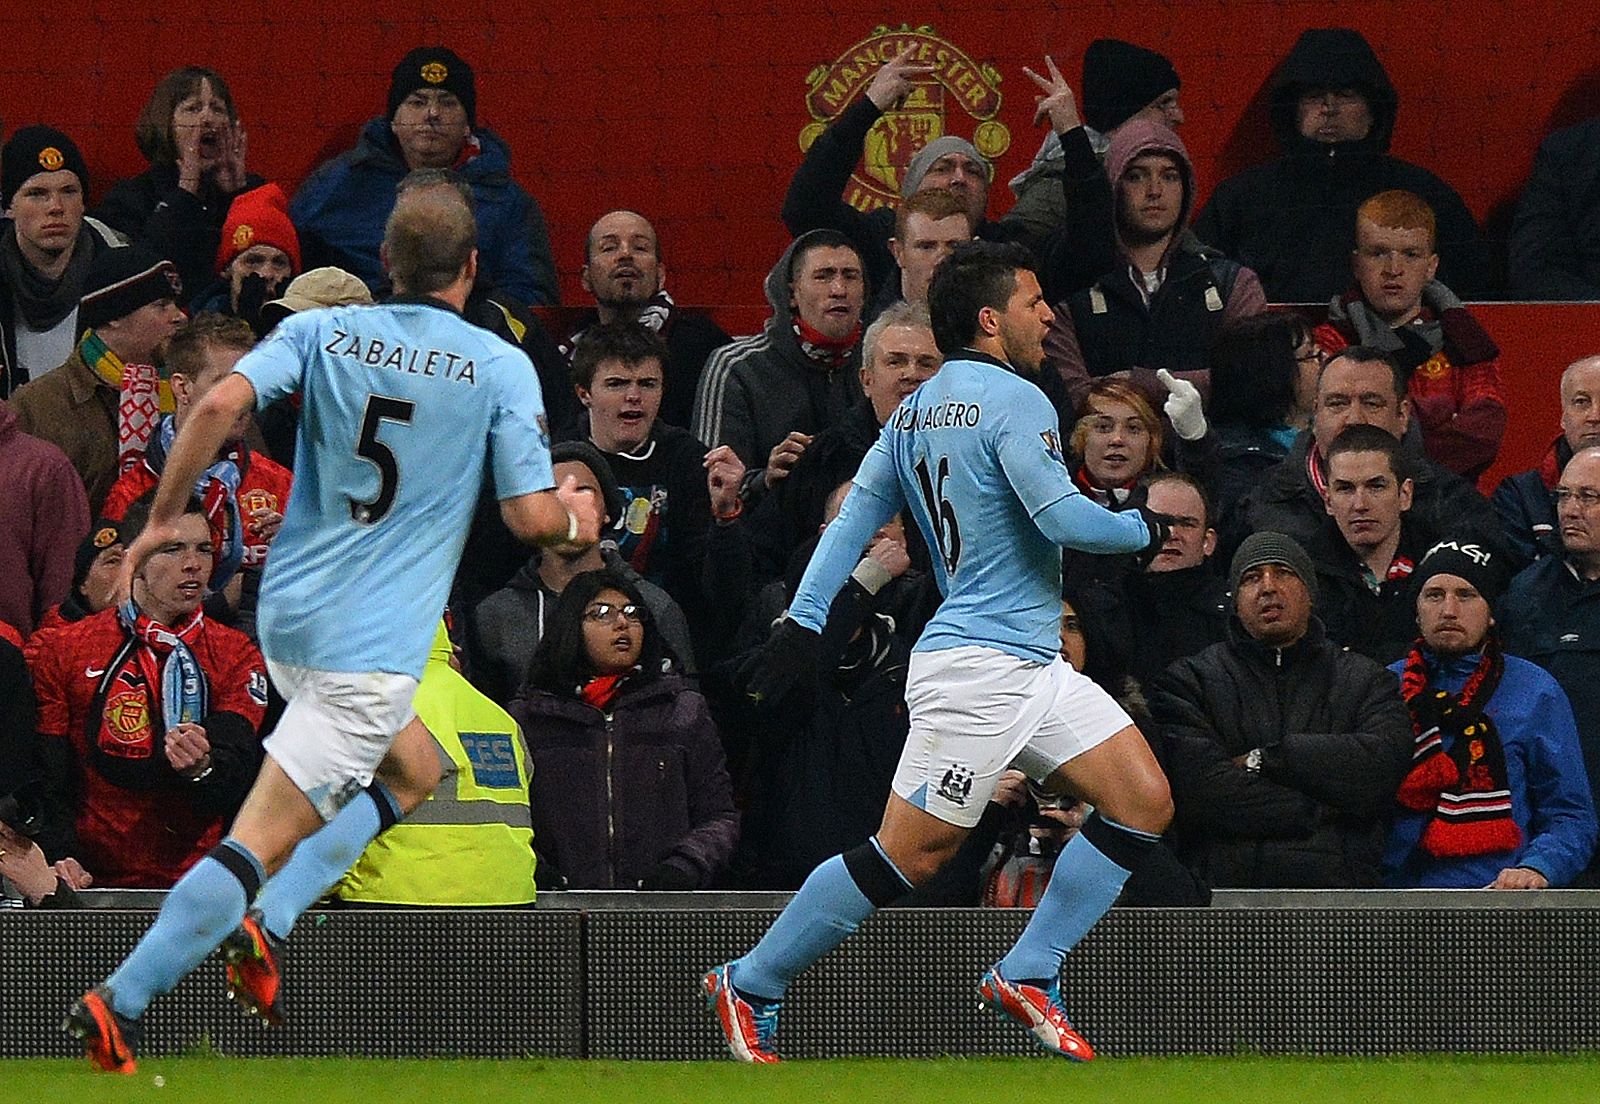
[
  {"x": 563, "y": 516},
  {"x": 1028, "y": 446},
  {"x": 193, "y": 451}
]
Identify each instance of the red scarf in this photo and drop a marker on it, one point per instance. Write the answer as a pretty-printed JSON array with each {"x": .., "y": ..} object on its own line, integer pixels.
[
  {"x": 829, "y": 352},
  {"x": 1105, "y": 497},
  {"x": 1466, "y": 788},
  {"x": 601, "y": 690}
]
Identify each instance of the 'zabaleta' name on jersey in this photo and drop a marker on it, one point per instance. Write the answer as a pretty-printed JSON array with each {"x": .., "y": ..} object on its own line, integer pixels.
[{"x": 378, "y": 353}]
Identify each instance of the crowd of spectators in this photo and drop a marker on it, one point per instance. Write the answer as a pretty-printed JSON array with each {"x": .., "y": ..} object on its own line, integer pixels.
[{"x": 1354, "y": 667}]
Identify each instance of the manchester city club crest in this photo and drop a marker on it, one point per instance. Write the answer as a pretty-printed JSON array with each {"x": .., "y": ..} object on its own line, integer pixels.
[{"x": 957, "y": 84}]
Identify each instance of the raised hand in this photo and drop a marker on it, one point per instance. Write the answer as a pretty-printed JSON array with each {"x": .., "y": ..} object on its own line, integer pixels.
[
  {"x": 1183, "y": 407},
  {"x": 231, "y": 175},
  {"x": 1057, "y": 101},
  {"x": 785, "y": 455},
  {"x": 893, "y": 82},
  {"x": 724, "y": 474},
  {"x": 585, "y": 507}
]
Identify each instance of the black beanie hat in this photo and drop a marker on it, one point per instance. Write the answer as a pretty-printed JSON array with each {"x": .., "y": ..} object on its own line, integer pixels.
[
  {"x": 102, "y": 535},
  {"x": 1467, "y": 559},
  {"x": 120, "y": 281},
  {"x": 1267, "y": 547},
  {"x": 434, "y": 67},
  {"x": 38, "y": 149},
  {"x": 1120, "y": 80},
  {"x": 595, "y": 460}
]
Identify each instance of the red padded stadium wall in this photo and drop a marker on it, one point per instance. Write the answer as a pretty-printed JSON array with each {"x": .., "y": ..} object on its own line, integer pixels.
[{"x": 692, "y": 111}]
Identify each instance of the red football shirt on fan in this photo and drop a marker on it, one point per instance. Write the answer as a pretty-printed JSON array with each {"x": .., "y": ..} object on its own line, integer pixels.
[{"x": 136, "y": 838}]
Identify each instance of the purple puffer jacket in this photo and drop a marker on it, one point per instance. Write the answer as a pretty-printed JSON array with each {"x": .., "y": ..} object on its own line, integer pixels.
[{"x": 617, "y": 794}]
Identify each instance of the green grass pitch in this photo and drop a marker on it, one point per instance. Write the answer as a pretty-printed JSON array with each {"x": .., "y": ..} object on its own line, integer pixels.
[{"x": 1443, "y": 1079}]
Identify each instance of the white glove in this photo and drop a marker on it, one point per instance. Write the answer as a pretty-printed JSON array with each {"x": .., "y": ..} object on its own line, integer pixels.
[{"x": 1182, "y": 407}]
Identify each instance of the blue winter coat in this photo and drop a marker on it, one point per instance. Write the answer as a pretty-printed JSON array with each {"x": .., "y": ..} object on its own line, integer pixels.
[
  {"x": 341, "y": 208},
  {"x": 1550, "y": 798}
]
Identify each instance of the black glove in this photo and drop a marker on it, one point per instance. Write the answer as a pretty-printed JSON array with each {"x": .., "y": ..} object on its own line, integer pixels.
[
  {"x": 788, "y": 657},
  {"x": 254, "y": 293},
  {"x": 666, "y": 876},
  {"x": 1160, "y": 526}
]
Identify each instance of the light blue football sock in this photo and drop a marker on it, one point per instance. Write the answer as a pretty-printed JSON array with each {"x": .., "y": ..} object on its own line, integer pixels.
[
  {"x": 832, "y": 903},
  {"x": 1083, "y": 885},
  {"x": 207, "y": 903},
  {"x": 321, "y": 859}
]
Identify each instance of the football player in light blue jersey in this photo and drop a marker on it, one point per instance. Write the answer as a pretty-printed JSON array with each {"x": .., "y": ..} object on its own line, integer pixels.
[
  {"x": 406, "y": 409},
  {"x": 975, "y": 455}
]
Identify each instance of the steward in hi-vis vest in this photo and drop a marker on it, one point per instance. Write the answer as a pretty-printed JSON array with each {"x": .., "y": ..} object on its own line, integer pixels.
[{"x": 471, "y": 843}]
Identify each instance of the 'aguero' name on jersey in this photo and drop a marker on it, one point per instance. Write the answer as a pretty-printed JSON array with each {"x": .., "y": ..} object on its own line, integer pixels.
[
  {"x": 975, "y": 454},
  {"x": 406, "y": 406}
]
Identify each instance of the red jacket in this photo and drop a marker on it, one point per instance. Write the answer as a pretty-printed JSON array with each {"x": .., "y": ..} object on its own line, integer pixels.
[
  {"x": 148, "y": 838},
  {"x": 262, "y": 483},
  {"x": 1456, "y": 395}
]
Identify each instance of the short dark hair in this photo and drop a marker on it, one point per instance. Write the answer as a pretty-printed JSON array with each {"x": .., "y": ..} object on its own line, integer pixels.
[
  {"x": 629, "y": 342},
  {"x": 153, "y": 131},
  {"x": 820, "y": 239},
  {"x": 1253, "y": 369},
  {"x": 186, "y": 351},
  {"x": 137, "y": 515},
  {"x": 560, "y": 661},
  {"x": 1207, "y": 507},
  {"x": 428, "y": 241},
  {"x": 975, "y": 275},
  {"x": 1371, "y": 354},
  {"x": 1369, "y": 438}
]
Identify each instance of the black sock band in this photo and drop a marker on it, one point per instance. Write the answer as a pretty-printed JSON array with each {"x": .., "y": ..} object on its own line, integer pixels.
[
  {"x": 241, "y": 866},
  {"x": 388, "y": 807},
  {"x": 1124, "y": 846},
  {"x": 875, "y": 876}
]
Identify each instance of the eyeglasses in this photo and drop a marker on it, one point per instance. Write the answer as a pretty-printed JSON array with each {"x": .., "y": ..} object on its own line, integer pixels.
[
  {"x": 605, "y": 611},
  {"x": 1587, "y": 498}
]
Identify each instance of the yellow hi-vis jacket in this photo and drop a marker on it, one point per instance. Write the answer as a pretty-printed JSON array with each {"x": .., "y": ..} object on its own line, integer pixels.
[{"x": 471, "y": 843}]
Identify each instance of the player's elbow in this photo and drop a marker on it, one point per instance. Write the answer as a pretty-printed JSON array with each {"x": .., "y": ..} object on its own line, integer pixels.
[{"x": 227, "y": 401}]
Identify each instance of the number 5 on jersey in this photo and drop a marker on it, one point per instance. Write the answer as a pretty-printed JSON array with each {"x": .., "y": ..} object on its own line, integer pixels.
[
  {"x": 943, "y": 515},
  {"x": 380, "y": 408}
]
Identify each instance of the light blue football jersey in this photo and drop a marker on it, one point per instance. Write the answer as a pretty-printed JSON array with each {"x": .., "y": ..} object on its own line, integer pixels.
[
  {"x": 975, "y": 454},
  {"x": 405, "y": 408}
]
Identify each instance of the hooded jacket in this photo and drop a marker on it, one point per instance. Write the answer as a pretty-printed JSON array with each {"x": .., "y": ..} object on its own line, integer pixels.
[
  {"x": 1336, "y": 742},
  {"x": 620, "y": 793},
  {"x": 1114, "y": 326},
  {"x": 43, "y": 515},
  {"x": 1555, "y": 240},
  {"x": 1293, "y": 219},
  {"x": 341, "y": 209},
  {"x": 755, "y": 390}
]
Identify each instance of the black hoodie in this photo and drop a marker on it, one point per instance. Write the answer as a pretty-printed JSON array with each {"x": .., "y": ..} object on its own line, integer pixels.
[{"x": 1292, "y": 220}]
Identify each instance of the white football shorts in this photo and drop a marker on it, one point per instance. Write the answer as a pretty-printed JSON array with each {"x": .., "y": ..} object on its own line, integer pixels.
[
  {"x": 976, "y": 711},
  {"x": 337, "y": 728}
]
